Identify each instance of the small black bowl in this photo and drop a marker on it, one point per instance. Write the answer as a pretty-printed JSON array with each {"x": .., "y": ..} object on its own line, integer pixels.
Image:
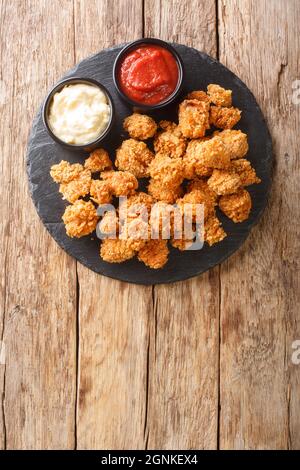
[
  {"x": 89, "y": 146},
  {"x": 133, "y": 45}
]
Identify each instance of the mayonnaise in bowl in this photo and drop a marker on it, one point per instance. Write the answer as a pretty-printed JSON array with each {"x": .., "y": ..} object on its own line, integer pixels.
[{"x": 79, "y": 113}]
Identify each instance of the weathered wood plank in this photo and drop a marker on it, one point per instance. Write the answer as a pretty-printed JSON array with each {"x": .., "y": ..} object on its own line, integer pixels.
[
  {"x": 39, "y": 289},
  {"x": 113, "y": 316},
  {"x": 260, "y": 405},
  {"x": 183, "y": 372}
]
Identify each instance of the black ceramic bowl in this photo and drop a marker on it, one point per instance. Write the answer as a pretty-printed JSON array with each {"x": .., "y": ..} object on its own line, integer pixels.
[
  {"x": 89, "y": 146},
  {"x": 133, "y": 45}
]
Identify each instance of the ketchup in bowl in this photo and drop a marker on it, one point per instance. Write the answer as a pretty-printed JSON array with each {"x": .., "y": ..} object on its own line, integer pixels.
[{"x": 148, "y": 74}]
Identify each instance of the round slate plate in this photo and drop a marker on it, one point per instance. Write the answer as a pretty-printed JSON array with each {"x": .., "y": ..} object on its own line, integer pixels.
[{"x": 43, "y": 152}]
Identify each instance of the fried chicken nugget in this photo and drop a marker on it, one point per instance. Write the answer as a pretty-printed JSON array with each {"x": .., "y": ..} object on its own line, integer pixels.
[
  {"x": 122, "y": 183},
  {"x": 114, "y": 250},
  {"x": 164, "y": 193},
  {"x": 236, "y": 206},
  {"x": 80, "y": 219},
  {"x": 213, "y": 231},
  {"x": 109, "y": 224},
  {"x": 98, "y": 161},
  {"x": 78, "y": 187},
  {"x": 193, "y": 198},
  {"x": 181, "y": 244},
  {"x": 101, "y": 192},
  {"x": 202, "y": 156},
  {"x": 200, "y": 183},
  {"x": 154, "y": 253},
  {"x": 64, "y": 172},
  {"x": 169, "y": 171},
  {"x": 224, "y": 182},
  {"x": 137, "y": 204},
  {"x": 245, "y": 171},
  {"x": 171, "y": 141},
  {"x": 140, "y": 126},
  {"x": 224, "y": 118},
  {"x": 236, "y": 142},
  {"x": 198, "y": 95},
  {"x": 193, "y": 118},
  {"x": 219, "y": 96},
  {"x": 134, "y": 156}
]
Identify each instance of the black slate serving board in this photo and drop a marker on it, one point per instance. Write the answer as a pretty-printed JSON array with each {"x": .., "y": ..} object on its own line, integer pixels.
[{"x": 43, "y": 152}]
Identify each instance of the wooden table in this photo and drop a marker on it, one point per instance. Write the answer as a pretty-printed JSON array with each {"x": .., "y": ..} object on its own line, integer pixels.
[{"x": 96, "y": 363}]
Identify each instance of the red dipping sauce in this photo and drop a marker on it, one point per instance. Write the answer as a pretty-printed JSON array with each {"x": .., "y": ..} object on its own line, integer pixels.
[{"x": 148, "y": 75}]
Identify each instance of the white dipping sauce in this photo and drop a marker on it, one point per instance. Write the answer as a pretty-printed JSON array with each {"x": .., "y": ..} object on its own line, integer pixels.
[{"x": 79, "y": 113}]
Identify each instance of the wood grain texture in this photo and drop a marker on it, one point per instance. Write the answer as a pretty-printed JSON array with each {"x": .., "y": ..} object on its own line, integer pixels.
[
  {"x": 260, "y": 404},
  {"x": 184, "y": 337},
  {"x": 38, "y": 286},
  {"x": 113, "y": 316}
]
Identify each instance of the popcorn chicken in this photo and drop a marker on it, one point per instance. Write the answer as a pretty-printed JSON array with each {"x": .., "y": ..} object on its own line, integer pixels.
[
  {"x": 115, "y": 250},
  {"x": 171, "y": 141},
  {"x": 134, "y": 156},
  {"x": 219, "y": 96},
  {"x": 64, "y": 172},
  {"x": 140, "y": 126},
  {"x": 98, "y": 161},
  {"x": 200, "y": 183},
  {"x": 206, "y": 154},
  {"x": 181, "y": 244},
  {"x": 122, "y": 183},
  {"x": 236, "y": 206},
  {"x": 101, "y": 192},
  {"x": 78, "y": 187},
  {"x": 154, "y": 253},
  {"x": 169, "y": 171},
  {"x": 164, "y": 193},
  {"x": 213, "y": 231},
  {"x": 198, "y": 95},
  {"x": 80, "y": 219},
  {"x": 245, "y": 171},
  {"x": 109, "y": 225},
  {"x": 193, "y": 118},
  {"x": 224, "y": 182},
  {"x": 224, "y": 118},
  {"x": 194, "y": 198},
  {"x": 235, "y": 141}
]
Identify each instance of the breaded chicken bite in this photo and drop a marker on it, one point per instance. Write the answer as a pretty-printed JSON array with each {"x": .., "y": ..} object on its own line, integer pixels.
[
  {"x": 115, "y": 250},
  {"x": 200, "y": 183},
  {"x": 213, "y": 231},
  {"x": 198, "y": 95},
  {"x": 236, "y": 206},
  {"x": 109, "y": 224},
  {"x": 98, "y": 161},
  {"x": 169, "y": 171},
  {"x": 193, "y": 118},
  {"x": 134, "y": 156},
  {"x": 188, "y": 204},
  {"x": 224, "y": 182},
  {"x": 181, "y": 244},
  {"x": 101, "y": 192},
  {"x": 224, "y": 118},
  {"x": 78, "y": 187},
  {"x": 80, "y": 219},
  {"x": 219, "y": 96},
  {"x": 154, "y": 253},
  {"x": 236, "y": 142},
  {"x": 122, "y": 183},
  {"x": 245, "y": 171},
  {"x": 171, "y": 141},
  {"x": 64, "y": 172},
  {"x": 140, "y": 126},
  {"x": 192, "y": 168},
  {"x": 164, "y": 193},
  {"x": 210, "y": 153},
  {"x": 137, "y": 204}
]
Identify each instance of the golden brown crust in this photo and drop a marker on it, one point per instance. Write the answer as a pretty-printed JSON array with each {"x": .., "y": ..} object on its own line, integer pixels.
[
  {"x": 193, "y": 118},
  {"x": 213, "y": 231},
  {"x": 122, "y": 183},
  {"x": 78, "y": 187},
  {"x": 200, "y": 183},
  {"x": 219, "y": 96},
  {"x": 154, "y": 253},
  {"x": 236, "y": 206},
  {"x": 140, "y": 126},
  {"x": 193, "y": 198},
  {"x": 235, "y": 141},
  {"x": 245, "y": 171},
  {"x": 201, "y": 155},
  {"x": 115, "y": 250},
  {"x": 98, "y": 161},
  {"x": 164, "y": 193},
  {"x": 64, "y": 172},
  {"x": 134, "y": 156},
  {"x": 224, "y": 118},
  {"x": 100, "y": 192},
  {"x": 80, "y": 219},
  {"x": 224, "y": 182},
  {"x": 169, "y": 171},
  {"x": 197, "y": 95},
  {"x": 170, "y": 142}
]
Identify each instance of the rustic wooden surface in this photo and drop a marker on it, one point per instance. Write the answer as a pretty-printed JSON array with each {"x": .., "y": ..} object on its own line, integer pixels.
[{"x": 96, "y": 363}]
